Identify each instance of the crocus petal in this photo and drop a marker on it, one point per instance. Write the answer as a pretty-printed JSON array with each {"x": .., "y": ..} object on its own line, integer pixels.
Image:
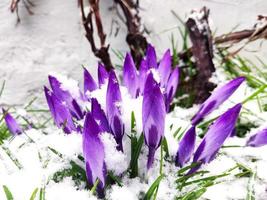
[
  {"x": 130, "y": 75},
  {"x": 151, "y": 57},
  {"x": 171, "y": 87},
  {"x": 153, "y": 116},
  {"x": 217, "y": 133},
  {"x": 99, "y": 116},
  {"x": 64, "y": 96},
  {"x": 143, "y": 72},
  {"x": 102, "y": 74},
  {"x": 61, "y": 94},
  {"x": 259, "y": 139},
  {"x": 89, "y": 83},
  {"x": 164, "y": 68},
  {"x": 60, "y": 112},
  {"x": 12, "y": 124},
  {"x": 113, "y": 100},
  {"x": 94, "y": 154},
  {"x": 220, "y": 95},
  {"x": 186, "y": 147}
]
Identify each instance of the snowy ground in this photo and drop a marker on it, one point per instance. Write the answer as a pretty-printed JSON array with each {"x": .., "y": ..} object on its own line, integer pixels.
[
  {"x": 36, "y": 156},
  {"x": 52, "y": 40}
]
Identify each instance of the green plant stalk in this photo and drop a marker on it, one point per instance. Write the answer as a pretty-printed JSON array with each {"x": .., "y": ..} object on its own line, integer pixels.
[{"x": 93, "y": 190}]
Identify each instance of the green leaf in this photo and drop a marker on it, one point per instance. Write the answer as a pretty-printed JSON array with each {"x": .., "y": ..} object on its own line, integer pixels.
[
  {"x": 42, "y": 194},
  {"x": 153, "y": 187},
  {"x": 136, "y": 146},
  {"x": 8, "y": 193},
  {"x": 165, "y": 147},
  {"x": 194, "y": 194},
  {"x": 34, "y": 194}
]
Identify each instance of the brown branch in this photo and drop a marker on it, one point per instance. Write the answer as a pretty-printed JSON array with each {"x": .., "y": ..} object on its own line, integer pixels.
[
  {"x": 202, "y": 51},
  {"x": 14, "y": 7},
  {"x": 136, "y": 41},
  {"x": 236, "y": 37},
  {"x": 102, "y": 52}
]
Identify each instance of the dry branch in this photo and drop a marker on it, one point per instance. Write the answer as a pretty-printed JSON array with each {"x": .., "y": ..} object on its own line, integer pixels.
[{"x": 102, "y": 52}]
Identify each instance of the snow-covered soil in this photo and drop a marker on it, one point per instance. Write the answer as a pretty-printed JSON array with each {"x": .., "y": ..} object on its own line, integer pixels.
[
  {"x": 52, "y": 39},
  {"x": 31, "y": 160}
]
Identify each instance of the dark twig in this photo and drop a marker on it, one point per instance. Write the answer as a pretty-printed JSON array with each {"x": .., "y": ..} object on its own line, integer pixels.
[
  {"x": 14, "y": 7},
  {"x": 102, "y": 52},
  {"x": 202, "y": 51},
  {"x": 136, "y": 41}
]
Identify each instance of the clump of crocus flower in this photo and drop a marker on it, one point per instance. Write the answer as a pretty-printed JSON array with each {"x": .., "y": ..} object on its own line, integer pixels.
[{"x": 155, "y": 83}]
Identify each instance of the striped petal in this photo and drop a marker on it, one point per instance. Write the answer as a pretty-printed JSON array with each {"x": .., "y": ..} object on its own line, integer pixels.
[
  {"x": 102, "y": 74},
  {"x": 99, "y": 116},
  {"x": 59, "y": 112},
  {"x": 130, "y": 78},
  {"x": 186, "y": 147},
  {"x": 113, "y": 101},
  {"x": 151, "y": 57},
  {"x": 171, "y": 87},
  {"x": 258, "y": 140},
  {"x": 89, "y": 83},
  {"x": 12, "y": 124},
  {"x": 94, "y": 154},
  {"x": 153, "y": 117},
  {"x": 164, "y": 68},
  {"x": 220, "y": 95},
  {"x": 217, "y": 133}
]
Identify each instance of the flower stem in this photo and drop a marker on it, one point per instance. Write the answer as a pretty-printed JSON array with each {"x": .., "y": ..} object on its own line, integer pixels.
[{"x": 94, "y": 186}]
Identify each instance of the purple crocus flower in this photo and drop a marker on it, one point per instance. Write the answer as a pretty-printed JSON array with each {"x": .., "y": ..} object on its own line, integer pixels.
[
  {"x": 59, "y": 112},
  {"x": 12, "y": 124},
  {"x": 153, "y": 117},
  {"x": 94, "y": 154},
  {"x": 217, "y": 133},
  {"x": 171, "y": 87},
  {"x": 259, "y": 139},
  {"x": 151, "y": 57},
  {"x": 130, "y": 78},
  {"x": 186, "y": 147},
  {"x": 89, "y": 82},
  {"x": 113, "y": 99},
  {"x": 102, "y": 74},
  {"x": 143, "y": 72},
  {"x": 220, "y": 95},
  {"x": 99, "y": 116},
  {"x": 65, "y": 96},
  {"x": 164, "y": 68}
]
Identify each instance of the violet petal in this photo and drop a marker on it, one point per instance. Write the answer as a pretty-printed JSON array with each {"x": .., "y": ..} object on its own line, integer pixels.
[
  {"x": 219, "y": 95},
  {"x": 153, "y": 116},
  {"x": 164, "y": 68},
  {"x": 217, "y": 133},
  {"x": 151, "y": 56},
  {"x": 130, "y": 75},
  {"x": 259, "y": 139},
  {"x": 12, "y": 124},
  {"x": 99, "y": 115},
  {"x": 93, "y": 150},
  {"x": 89, "y": 82},
  {"x": 186, "y": 147},
  {"x": 113, "y": 100},
  {"x": 102, "y": 74}
]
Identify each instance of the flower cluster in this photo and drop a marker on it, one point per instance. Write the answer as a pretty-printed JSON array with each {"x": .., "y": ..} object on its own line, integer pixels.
[{"x": 154, "y": 82}]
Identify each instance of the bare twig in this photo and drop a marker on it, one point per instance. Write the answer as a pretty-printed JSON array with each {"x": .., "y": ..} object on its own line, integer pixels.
[
  {"x": 202, "y": 51},
  {"x": 102, "y": 52},
  {"x": 14, "y": 7},
  {"x": 136, "y": 41}
]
